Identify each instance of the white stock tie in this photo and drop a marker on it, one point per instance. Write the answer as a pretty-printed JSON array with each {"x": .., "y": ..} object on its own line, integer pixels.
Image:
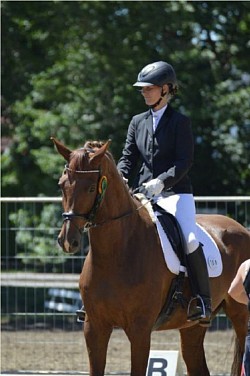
[{"x": 155, "y": 121}]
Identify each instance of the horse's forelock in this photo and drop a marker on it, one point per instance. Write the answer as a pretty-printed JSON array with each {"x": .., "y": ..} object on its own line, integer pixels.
[{"x": 79, "y": 158}]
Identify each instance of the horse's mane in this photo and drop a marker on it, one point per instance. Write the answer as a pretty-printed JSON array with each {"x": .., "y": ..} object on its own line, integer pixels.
[
  {"x": 93, "y": 144},
  {"x": 79, "y": 157}
]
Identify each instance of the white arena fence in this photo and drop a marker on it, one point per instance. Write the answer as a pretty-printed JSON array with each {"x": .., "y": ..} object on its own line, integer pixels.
[{"x": 39, "y": 293}]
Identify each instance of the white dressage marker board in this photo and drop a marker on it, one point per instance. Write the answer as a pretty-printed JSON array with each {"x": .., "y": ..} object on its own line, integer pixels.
[{"x": 164, "y": 363}]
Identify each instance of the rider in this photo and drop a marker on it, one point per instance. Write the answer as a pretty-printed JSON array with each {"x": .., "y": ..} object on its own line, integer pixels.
[{"x": 159, "y": 153}]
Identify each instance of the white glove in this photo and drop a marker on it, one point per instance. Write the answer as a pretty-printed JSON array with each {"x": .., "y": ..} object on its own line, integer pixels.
[{"x": 154, "y": 187}]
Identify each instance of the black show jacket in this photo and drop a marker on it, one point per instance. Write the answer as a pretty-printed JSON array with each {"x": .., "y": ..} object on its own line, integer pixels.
[{"x": 169, "y": 150}]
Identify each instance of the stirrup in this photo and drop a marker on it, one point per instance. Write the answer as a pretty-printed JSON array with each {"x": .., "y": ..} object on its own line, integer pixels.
[
  {"x": 80, "y": 314},
  {"x": 197, "y": 310}
]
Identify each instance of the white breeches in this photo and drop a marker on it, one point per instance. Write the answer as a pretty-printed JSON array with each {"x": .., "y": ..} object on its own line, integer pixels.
[{"x": 182, "y": 206}]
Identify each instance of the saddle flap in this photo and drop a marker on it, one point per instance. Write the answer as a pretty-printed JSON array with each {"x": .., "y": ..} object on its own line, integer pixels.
[{"x": 173, "y": 232}]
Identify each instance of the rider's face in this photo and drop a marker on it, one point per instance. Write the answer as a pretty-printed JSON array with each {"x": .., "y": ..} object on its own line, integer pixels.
[{"x": 152, "y": 93}]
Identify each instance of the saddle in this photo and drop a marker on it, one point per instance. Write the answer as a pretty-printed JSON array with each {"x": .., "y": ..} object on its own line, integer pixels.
[{"x": 174, "y": 234}]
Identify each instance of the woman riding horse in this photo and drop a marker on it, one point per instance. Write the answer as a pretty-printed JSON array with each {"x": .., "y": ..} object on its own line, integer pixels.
[
  {"x": 125, "y": 280},
  {"x": 161, "y": 139}
]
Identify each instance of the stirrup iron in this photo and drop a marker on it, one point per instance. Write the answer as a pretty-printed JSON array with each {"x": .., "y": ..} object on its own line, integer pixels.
[
  {"x": 197, "y": 309},
  {"x": 80, "y": 314}
]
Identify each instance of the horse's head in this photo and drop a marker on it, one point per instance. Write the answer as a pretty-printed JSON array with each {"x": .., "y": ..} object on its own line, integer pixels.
[{"x": 83, "y": 186}]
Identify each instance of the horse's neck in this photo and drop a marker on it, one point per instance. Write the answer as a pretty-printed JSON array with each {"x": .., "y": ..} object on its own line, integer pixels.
[
  {"x": 113, "y": 219},
  {"x": 117, "y": 201}
]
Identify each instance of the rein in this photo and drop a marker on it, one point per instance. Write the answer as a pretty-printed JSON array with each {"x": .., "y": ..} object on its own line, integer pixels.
[{"x": 90, "y": 217}]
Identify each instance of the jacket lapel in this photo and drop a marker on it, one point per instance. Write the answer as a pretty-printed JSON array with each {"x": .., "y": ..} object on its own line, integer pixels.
[
  {"x": 149, "y": 123},
  {"x": 164, "y": 119}
]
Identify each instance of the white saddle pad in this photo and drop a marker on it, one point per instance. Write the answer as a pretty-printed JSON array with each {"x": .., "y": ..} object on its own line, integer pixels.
[{"x": 210, "y": 249}]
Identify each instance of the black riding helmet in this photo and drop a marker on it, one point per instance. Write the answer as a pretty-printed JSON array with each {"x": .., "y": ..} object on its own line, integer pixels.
[{"x": 159, "y": 74}]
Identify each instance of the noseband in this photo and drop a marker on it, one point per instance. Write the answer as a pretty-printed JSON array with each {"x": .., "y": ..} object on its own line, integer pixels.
[{"x": 90, "y": 216}]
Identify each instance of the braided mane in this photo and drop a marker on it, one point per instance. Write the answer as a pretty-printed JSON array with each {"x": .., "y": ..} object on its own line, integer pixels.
[{"x": 79, "y": 158}]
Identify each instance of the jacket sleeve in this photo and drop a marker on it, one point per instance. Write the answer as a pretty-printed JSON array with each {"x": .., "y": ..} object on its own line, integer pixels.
[
  {"x": 183, "y": 158},
  {"x": 130, "y": 154}
]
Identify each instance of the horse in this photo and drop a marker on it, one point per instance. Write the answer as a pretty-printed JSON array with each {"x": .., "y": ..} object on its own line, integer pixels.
[{"x": 124, "y": 281}]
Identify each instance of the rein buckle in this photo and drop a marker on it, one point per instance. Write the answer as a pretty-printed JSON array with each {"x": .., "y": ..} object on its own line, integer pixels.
[{"x": 87, "y": 226}]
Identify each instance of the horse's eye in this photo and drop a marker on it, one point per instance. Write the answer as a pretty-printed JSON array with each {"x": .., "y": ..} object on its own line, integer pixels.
[{"x": 92, "y": 188}]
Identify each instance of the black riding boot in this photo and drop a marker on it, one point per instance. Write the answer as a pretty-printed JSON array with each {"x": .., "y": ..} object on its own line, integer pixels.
[{"x": 199, "y": 307}]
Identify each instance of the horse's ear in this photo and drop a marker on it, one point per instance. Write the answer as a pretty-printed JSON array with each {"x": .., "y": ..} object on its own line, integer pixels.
[
  {"x": 100, "y": 152},
  {"x": 63, "y": 150}
]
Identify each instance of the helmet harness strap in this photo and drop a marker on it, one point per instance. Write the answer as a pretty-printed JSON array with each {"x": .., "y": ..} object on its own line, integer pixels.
[{"x": 159, "y": 100}]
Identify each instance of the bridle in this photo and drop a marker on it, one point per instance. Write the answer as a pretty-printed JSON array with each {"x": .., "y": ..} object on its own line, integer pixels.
[{"x": 90, "y": 216}]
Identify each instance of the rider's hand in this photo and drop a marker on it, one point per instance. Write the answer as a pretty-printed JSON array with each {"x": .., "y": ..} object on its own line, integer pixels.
[{"x": 154, "y": 187}]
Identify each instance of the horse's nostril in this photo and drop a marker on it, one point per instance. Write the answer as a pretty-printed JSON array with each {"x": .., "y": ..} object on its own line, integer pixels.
[{"x": 75, "y": 244}]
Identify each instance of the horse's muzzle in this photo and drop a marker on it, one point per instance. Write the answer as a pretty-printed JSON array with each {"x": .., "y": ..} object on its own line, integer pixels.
[
  {"x": 67, "y": 247},
  {"x": 70, "y": 243}
]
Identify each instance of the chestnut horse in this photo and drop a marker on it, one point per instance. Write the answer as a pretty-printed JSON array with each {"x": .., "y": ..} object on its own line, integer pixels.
[{"x": 125, "y": 280}]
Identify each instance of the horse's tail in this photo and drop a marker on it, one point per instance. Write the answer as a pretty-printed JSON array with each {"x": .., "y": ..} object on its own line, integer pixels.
[{"x": 237, "y": 360}]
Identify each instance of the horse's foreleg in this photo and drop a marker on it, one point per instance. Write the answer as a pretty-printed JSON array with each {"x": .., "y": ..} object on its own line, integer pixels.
[
  {"x": 140, "y": 345},
  {"x": 192, "y": 339},
  {"x": 97, "y": 339}
]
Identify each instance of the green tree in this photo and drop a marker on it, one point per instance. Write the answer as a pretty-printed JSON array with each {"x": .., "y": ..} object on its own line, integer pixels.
[{"x": 68, "y": 69}]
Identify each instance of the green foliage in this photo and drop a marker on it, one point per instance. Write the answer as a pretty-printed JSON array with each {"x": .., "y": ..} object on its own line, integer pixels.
[
  {"x": 68, "y": 70},
  {"x": 39, "y": 243}
]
